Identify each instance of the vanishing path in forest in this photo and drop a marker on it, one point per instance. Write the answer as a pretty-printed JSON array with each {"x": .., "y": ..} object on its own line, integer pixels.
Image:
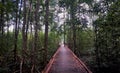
[{"x": 65, "y": 61}]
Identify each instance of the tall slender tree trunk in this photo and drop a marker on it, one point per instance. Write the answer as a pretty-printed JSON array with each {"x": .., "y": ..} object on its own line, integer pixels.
[
  {"x": 97, "y": 46},
  {"x": 73, "y": 26},
  {"x": 23, "y": 29},
  {"x": 2, "y": 19},
  {"x": 35, "y": 35},
  {"x": 46, "y": 31},
  {"x": 1, "y": 25},
  {"x": 24, "y": 44},
  {"x": 16, "y": 32}
]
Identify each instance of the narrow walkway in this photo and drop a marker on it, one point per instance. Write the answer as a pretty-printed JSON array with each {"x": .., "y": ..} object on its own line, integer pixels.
[{"x": 65, "y": 61}]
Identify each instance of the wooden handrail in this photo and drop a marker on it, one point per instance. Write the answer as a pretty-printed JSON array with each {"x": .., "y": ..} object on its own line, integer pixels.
[
  {"x": 79, "y": 61},
  {"x": 48, "y": 66}
]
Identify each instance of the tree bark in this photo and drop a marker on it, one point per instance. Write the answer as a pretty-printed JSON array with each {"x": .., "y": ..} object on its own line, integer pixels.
[
  {"x": 2, "y": 19},
  {"x": 73, "y": 27},
  {"x": 35, "y": 35},
  {"x": 2, "y": 26},
  {"x": 24, "y": 44},
  {"x": 16, "y": 32},
  {"x": 23, "y": 29},
  {"x": 46, "y": 31}
]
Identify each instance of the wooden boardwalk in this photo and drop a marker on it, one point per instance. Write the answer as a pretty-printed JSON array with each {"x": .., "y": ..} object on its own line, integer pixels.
[{"x": 65, "y": 61}]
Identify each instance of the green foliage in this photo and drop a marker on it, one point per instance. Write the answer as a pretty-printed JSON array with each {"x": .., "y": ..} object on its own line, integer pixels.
[
  {"x": 86, "y": 39},
  {"x": 6, "y": 43},
  {"x": 107, "y": 39},
  {"x": 106, "y": 35},
  {"x": 6, "y": 48},
  {"x": 8, "y": 6},
  {"x": 52, "y": 3},
  {"x": 67, "y": 3},
  {"x": 53, "y": 41},
  {"x": 86, "y": 1}
]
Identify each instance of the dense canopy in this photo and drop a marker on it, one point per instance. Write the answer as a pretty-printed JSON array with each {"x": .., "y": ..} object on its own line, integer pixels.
[{"x": 32, "y": 30}]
